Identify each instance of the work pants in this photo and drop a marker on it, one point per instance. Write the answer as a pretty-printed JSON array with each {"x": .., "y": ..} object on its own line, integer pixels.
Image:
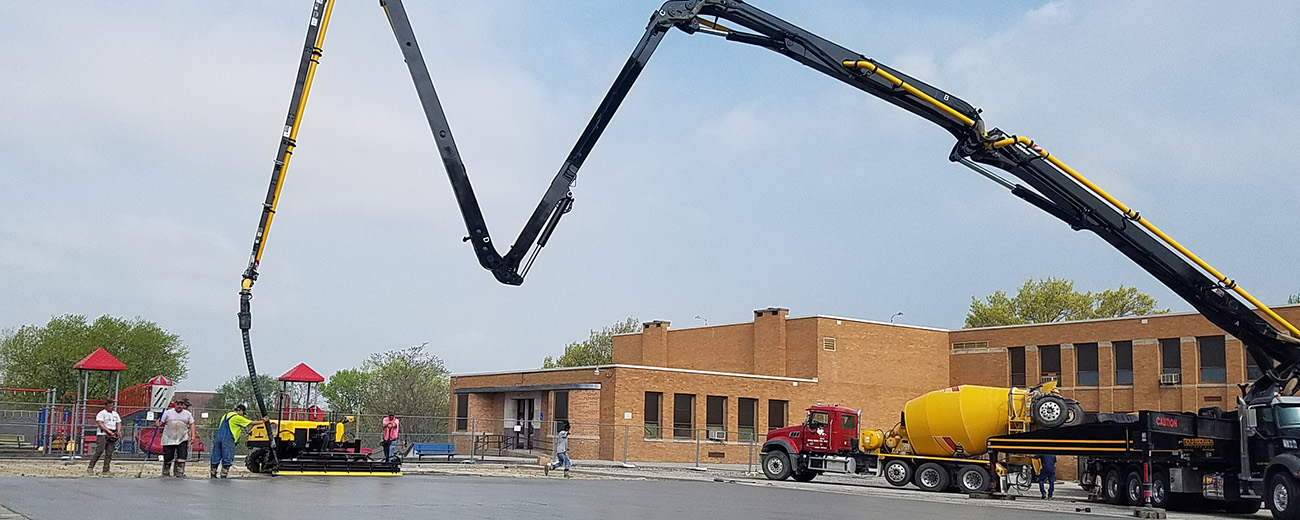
[
  {"x": 103, "y": 447},
  {"x": 1050, "y": 478},
  {"x": 176, "y": 451},
  {"x": 223, "y": 451}
]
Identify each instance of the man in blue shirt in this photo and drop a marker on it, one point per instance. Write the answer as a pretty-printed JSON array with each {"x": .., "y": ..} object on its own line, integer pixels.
[{"x": 1047, "y": 473}]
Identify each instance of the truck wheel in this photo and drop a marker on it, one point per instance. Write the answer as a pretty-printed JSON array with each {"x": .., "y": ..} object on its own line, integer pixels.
[
  {"x": 1283, "y": 497},
  {"x": 1050, "y": 411},
  {"x": 1133, "y": 489},
  {"x": 972, "y": 479},
  {"x": 804, "y": 476},
  {"x": 931, "y": 477},
  {"x": 776, "y": 465},
  {"x": 1160, "y": 489},
  {"x": 1242, "y": 507},
  {"x": 897, "y": 472},
  {"x": 1112, "y": 486},
  {"x": 1073, "y": 415}
]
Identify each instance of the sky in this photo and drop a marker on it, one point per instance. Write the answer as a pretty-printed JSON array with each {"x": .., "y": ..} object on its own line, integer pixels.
[{"x": 137, "y": 139}]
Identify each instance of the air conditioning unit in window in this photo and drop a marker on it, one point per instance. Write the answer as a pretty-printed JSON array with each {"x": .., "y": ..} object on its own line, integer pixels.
[
  {"x": 717, "y": 435},
  {"x": 1049, "y": 377},
  {"x": 1170, "y": 379}
]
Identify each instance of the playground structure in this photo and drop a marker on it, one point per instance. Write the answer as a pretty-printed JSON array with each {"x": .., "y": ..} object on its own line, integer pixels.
[{"x": 45, "y": 422}]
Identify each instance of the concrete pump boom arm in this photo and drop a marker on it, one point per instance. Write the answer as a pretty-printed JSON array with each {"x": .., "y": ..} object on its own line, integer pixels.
[{"x": 1048, "y": 183}]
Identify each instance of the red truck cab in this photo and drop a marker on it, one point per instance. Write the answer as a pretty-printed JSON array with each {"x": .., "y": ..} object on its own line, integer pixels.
[{"x": 826, "y": 430}]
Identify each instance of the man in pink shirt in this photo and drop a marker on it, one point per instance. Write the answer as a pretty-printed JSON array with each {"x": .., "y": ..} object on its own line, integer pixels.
[{"x": 390, "y": 424}]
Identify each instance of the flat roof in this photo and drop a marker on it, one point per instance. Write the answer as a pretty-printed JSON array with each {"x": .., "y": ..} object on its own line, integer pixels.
[
  {"x": 639, "y": 367},
  {"x": 527, "y": 388}
]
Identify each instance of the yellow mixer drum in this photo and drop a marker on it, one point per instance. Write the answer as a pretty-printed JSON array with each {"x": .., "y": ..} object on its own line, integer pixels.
[{"x": 959, "y": 420}]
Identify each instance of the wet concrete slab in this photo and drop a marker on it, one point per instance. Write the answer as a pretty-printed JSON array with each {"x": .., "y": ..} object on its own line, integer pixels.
[{"x": 435, "y": 496}]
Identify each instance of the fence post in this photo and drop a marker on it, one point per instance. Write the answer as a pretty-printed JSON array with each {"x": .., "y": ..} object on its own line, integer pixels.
[
  {"x": 473, "y": 438},
  {"x": 751, "y": 453},
  {"x": 696, "y": 433},
  {"x": 627, "y": 430}
]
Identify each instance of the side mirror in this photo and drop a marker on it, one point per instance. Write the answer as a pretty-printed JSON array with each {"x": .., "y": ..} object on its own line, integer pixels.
[{"x": 1250, "y": 420}]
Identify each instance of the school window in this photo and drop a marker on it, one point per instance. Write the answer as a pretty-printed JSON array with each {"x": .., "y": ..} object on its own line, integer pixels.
[
  {"x": 1214, "y": 366},
  {"x": 1171, "y": 356},
  {"x": 462, "y": 412},
  {"x": 683, "y": 416},
  {"x": 776, "y": 414},
  {"x": 1017, "y": 363},
  {"x": 1085, "y": 360},
  {"x": 653, "y": 403},
  {"x": 746, "y": 412},
  {"x": 715, "y": 413},
  {"x": 1049, "y": 362},
  {"x": 561, "y": 405},
  {"x": 1123, "y": 362}
]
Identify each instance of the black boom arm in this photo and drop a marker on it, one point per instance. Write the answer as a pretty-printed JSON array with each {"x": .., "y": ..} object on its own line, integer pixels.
[{"x": 1048, "y": 184}]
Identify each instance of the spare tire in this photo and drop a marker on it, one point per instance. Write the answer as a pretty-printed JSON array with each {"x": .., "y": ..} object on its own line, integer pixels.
[
  {"x": 1050, "y": 411},
  {"x": 1074, "y": 414}
]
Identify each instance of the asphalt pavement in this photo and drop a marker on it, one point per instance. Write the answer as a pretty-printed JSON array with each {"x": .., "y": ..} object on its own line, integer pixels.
[{"x": 453, "y": 496}]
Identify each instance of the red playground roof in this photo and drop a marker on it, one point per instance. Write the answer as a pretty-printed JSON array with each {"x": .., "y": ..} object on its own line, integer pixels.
[
  {"x": 302, "y": 374},
  {"x": 159, "y": 380},
  {"x": 100, "y": 360}
]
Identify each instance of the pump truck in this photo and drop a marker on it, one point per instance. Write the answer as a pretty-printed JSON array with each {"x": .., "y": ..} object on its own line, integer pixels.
[
  {"x": 1269, "y": 463},
  {"x": 1266, "y": 459}
]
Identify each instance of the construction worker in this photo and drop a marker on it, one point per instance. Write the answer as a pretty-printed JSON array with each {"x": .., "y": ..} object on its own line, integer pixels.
[
  {"x": 108, "y": 430},
  {"x": 223, "y": 446},
  {"x": 177, "y": 426}
]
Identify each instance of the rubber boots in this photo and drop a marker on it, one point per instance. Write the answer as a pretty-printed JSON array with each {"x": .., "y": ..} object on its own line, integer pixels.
[
  {"x": 180, "y": 469},
  {"x": 225, "y": 471},
  {"x": 213, "y": 472},
  {"x": 167, "y": 468}
]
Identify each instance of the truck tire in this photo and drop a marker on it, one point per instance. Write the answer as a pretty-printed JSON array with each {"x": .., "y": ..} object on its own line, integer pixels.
[
  {"x": 1112, "y": 486},
  {"x": 897, "y": 472},
  {"x": 931, "y": 477},
  {"x": 1160, "y": 496},
  {"x": 1245, "y": 506},
  {"x": 1050, "y": 411},
  {"x": 972, "y": 479},
  {"x": 776, "y": 465},
  {"x": 1133, "y": 489},
  {"x": 1283, "y": 497},
  {"x": 804, "y": 476},
  {"x": 1074, "y": 414}
]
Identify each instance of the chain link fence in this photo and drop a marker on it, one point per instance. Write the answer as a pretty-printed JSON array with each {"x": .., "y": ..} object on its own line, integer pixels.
[{"x": 30, "y": 430}]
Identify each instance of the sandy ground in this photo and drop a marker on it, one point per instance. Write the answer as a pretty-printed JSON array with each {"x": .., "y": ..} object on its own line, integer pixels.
[{"x": 121, "y": 469}]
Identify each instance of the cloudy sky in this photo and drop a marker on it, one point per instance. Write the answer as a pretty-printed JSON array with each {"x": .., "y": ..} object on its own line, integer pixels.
[{"x": 136, "y": 141}]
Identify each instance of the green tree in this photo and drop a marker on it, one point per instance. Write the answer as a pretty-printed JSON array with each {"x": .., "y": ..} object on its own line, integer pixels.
[
  {"x": 346, "y": 389},
  {"x": 408, "y": 381},
  {"x": 1053, "y": 300},
  {"x": 239, "y": 391},
  {"x": 597, "y": 349},
  {"x": 1295, "y": 298},
  {"x": 42, "y": 356}
]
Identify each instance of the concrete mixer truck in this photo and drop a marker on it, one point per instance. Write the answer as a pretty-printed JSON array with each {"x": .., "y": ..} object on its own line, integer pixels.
[{"x": 937, "y": 444}]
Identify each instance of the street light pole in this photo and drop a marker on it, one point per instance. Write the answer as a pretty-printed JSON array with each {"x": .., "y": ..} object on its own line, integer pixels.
[{"x": 896, "y": 314}]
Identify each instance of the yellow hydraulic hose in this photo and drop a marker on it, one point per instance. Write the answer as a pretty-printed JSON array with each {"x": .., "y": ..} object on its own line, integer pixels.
[
  {"x": 1134, "y": 216},
  {"x": 910, "y": 89},
  {"x": 293, "y": 128}
]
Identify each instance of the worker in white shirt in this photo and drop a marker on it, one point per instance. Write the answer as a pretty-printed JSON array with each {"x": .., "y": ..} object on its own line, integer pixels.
[{"x": 109, "y": 425}]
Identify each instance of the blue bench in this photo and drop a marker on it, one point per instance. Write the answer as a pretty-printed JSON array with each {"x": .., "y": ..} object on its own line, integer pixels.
[{"x": 433, "y": 450}]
